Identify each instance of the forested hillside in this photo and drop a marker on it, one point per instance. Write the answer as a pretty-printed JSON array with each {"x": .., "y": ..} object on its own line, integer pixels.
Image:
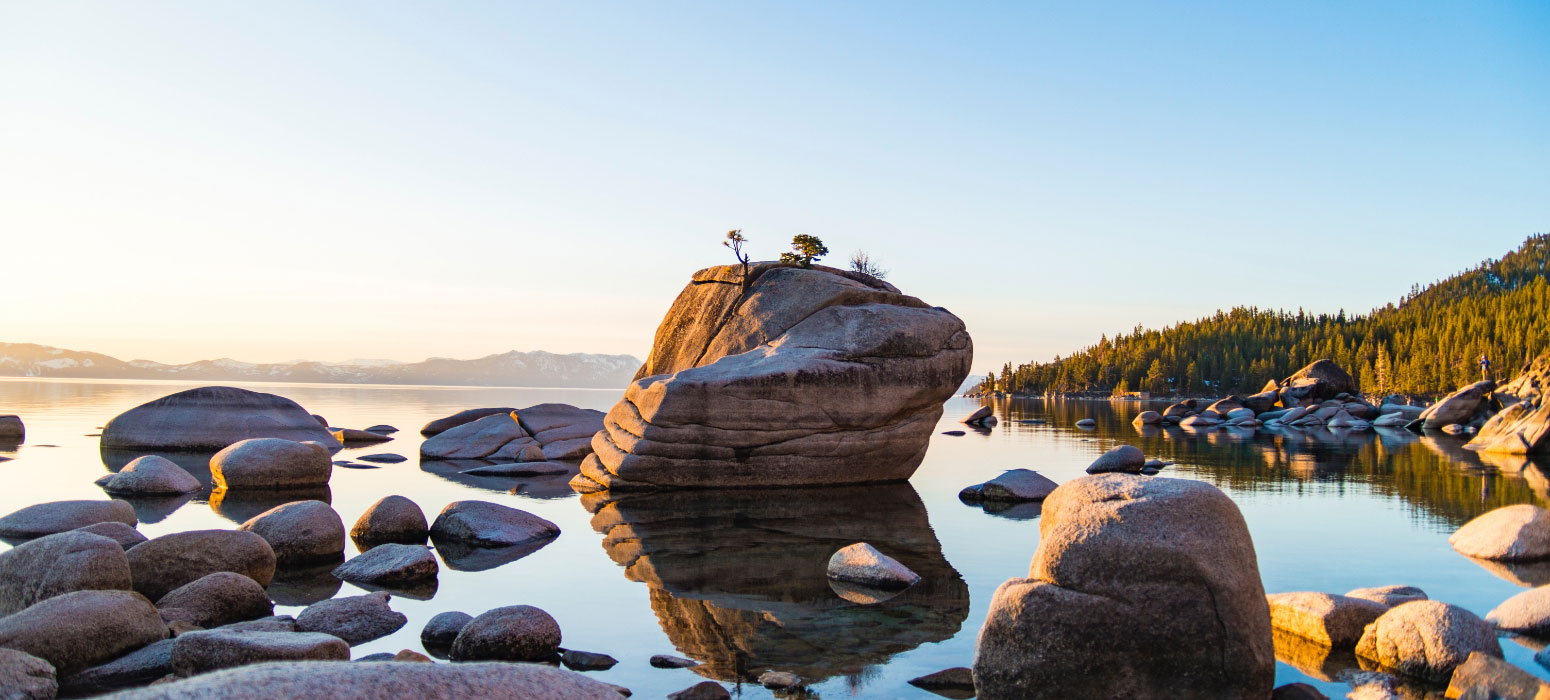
[{"x": 1427, "y": 343}]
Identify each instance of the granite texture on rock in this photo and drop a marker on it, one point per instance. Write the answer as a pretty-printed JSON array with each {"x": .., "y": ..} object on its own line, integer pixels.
[
  {"x": 53, "y": 517},
  {"x": 161, "y": 564},
  {"x": 791, "y": 377},
  {"x": 78, "y": 630},
  {"x": 342, "y": 680},
  {"x": 58, "y": 564}
]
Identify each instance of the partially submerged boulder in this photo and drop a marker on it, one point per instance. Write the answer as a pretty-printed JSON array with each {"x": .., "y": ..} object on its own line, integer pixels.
[
  {"x": 1124, "y": 458},
  {"x": 443, "y": 629},
  {"x": 301, "y": 532},
  {"x": 1141, "y": 587},
  {"x": 793, "y": 376},
  {"x": 271, "y": 464},
  {"x": 495, "y": 438},
  {"x": 355, "y": 619},
  {"x": 563, "y": 431},
  {"x": 1319, "y": 381},
  {"x": 1013, "y": 486},
  {"x": 391, "y": 519},
  {"x": 151, "y": 475},
  {"x": 159, "y": 565},
  {"x": 861, "y": 564},
  {"x": 1426, "y": 639},
  {"x": 390, "y": 564},
  {"x": 511, "y": 633},
  {"x": 441, "y": 425},
  {"x": 344, "y": 680},
  {"x": 210, "y": 418},
  {"x": 58, "y": 516},
  {"x": 488, "y": 524},
  {"x": 58, "y": 564},
  {"x": 1460, "y": 407},
  {"x": 1526, "y": 613},
  {"x": 1483, "y": 677},
  {"x": 84, "y": 628},
  {"x": 1510, "y": 533},
  {"x": 1331, "y": 620},
  {"x": 12, "y": 429},
  {"x": 1523, "y": 426},
  {"x": 217, "y": 599}
]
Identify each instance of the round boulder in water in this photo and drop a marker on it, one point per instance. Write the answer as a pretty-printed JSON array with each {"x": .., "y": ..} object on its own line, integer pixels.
[
  {"x": 1427, "y": 639},
  {"x": 300, "y": 532},
  {"x": 58, "y": 516},
  {"x": 58, "y": 564},
  {"x": 511, "y": 633},
  {"x": 271, "y": 463},
  {"x": 391, "y": 519},
  {"x": 151, "y": 475},
  {"x": 210, "y": 418}
]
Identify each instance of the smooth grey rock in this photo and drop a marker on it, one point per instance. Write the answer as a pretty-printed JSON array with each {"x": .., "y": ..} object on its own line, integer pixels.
[
  {"x": 978, "y": 416},
  {"x": 862, "y": 565},
  {"x": 212, "y": 650},
  {"x": 704, "y": 690},
  {"x": 1152, "y": 580},
  {"x": 58, "y": 516},
  {"x": 1013, "y": 485},
  {"x": 58, "y": 564},
  {"x": 271, "y": 463},
  {"x": 217, "y": 599},
  {"x": 1426, "y": 639},
  {"x": 152, "y": 475},
  {"x": 1331, "y": 620},
  {"x": 1086, "y": 423},
  {"x": 138, "y": 667},
  {"x": 490, "y": 525},
  {"x": 163, "y": 563},
  {"x": 1527, "y": 613},
  {"x": 390, "y": 564},
  {"x": 1124, "y": 458},
  {"x": 441, "y": 425},
  {"x": 511, "y": 633},
  {"x": 520, "y": 469},
  {"x": 343, "y": 680},
  {"x": 1510, "y": 533},
  {"x": 125, "y": 535},
  {"x": 498, "y": 434},
  {"x": 384, "y": 458},
  {"x": 25, "y": 677},
  {"x": 382, "y": 428},
  {"x": 210, "y": 418},
  {"x": 355, "y": 619},
  {"x": 442, "y": 629},
  {"x": 351, "y": 436},
  {"x": 1388, "y": 595},
  {"x": 78, "y": 630},
  {"x": 670, "y": 661},
  {"x": 800, "y": 376},
  {"x": 301, "y": 532},
  {"x": 779, "y": 680},
  {"x": 586, "y": 661},
  {"x": 391, "y": 519}
]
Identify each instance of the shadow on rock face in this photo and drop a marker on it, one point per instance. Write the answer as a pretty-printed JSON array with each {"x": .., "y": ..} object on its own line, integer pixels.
[
  {"x": 545, "y": 487},
  {"x": 240, "y": 505},
  {"x": 738, "y": 577},
  {"x": 304, "y": 585},
  {"x": 461, "y": 556}
]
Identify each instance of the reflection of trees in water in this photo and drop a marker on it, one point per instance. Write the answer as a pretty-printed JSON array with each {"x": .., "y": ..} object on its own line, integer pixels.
[
  {"x": 738, "y": 579},
  {"x": 1432, "y": 473}
]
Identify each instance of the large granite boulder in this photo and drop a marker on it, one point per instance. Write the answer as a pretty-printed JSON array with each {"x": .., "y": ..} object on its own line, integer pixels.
[
  {"x": 1319, "y": 381},
  {"x": 344, "y": 680},
  {"x": 84, "y": 628},
  {"x": 1523, "y": 426},
  {"x": 159, "y": 565},
  {"x": 217, "y": 599},
  {"x": 210, "y": 418},
  {"x": 1140, "y": 587},
  {"x": 300, "y": 533},
  {"x": 564, "y": 431},
  {"x": 793, "y": 376},
  {"x": 497, "y": 438},
  {"x": 441, "y": 425},
  {"x": 26, "y": 677},
  {"x": 391, "y": 519},
  {"x": 511, "y": 633},
  {"x": 1459, "y": 407},
  {"x": 58, "y": 564},
  {"x": 1426, "y": 639},
  {"x": 211, "y": 650},
  {"x": 58, "y": 516},
  {"x": 151, "y": 475},
  {"x": 1510, "y": 533},
  {"x": 271, "y": 464}
]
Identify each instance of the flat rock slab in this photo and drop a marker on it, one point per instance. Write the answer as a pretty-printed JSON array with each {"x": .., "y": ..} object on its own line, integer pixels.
[
  {"x": 491, "y": 525},
  {"x": 390, "y": 564},
  {"x": 211, "y": 650},
  {"x": 343, "y": 680},
  {"x": 58, "y": 516}
]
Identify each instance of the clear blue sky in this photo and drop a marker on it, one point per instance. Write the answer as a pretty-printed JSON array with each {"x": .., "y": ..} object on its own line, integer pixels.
[{"x": 275, "y": 180}]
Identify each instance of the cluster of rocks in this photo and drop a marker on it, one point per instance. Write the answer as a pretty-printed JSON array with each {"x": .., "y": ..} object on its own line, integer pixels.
[
  {"x": 549, "y": 432},
  {"x": 784, "y": 376},
  {"x": 1023, "y": 486}
]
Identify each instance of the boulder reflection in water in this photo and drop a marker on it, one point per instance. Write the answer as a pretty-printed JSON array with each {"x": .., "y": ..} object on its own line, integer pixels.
[{"x": 738, "y": 577}]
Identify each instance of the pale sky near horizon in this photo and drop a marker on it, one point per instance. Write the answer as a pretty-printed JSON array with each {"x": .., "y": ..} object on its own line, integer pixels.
[{"x": 282, "y": 180}]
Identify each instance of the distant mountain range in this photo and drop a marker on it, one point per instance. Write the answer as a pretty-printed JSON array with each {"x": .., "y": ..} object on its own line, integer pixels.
[{"x": 537, "y": 369}]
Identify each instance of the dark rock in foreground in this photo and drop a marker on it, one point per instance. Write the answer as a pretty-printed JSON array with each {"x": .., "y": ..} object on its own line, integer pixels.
[
  {"x": 355, "y": 619},
  {"x": 390, "y": 564},
  {"x": 78, "y": 630},
  {"x": 343, "y": 680},
  {"x": 511, "y": 633},
  {"x": 391, "y": 519},
  {"x": 26, "y": 677},
  {"x": 217, "y": 599},
  {"x": 212, "y": 650},
  {"x": 58, "y": 564},
  {"x": 300, "y": 533},
  {"x": 167, "y": 562},
  {"x": 210, "y": 418},
  {"x": 956, "y": 683}
]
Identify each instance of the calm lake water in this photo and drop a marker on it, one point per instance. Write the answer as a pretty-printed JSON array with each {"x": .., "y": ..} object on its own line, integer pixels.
[{"x": 735, "y": 579}]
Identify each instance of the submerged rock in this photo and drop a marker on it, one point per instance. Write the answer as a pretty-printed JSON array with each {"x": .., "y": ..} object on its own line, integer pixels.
[
  {"x": 78, "y": 630},
  {"x": 12, "y": 429},
  {"x": 1426, "y": 639},
  {"x": 351, "y": 436},
  {"x": 1153, "y": 580},
  {"x": 151, "y": 475},
  {"x": 161, "y": 564},
  {"x": 59, "y": 516},
  {"x": 586, "y": 661},
  {"x": 391, "y": 519},
  {"x": 210, "y": 418},
  {"x": 1147, "y": 418},
  {"x": 271, "y": 463},
  {"x": 1511, "y": 533},
  {"x": 793, "y": 376},
  {"x": 300, "y": 533},
  {"x": 343, "y": 680},
  {"x": 511, "y": 633},
  {"x": 957, "y": 683},
  {"x": 58, "y": 564},
  {"x": 355, "y": 619},
  {"x": 1014, "y": 485},
  {"x": 444, "y": 628},
  {"x": 1526, "y": 613}
]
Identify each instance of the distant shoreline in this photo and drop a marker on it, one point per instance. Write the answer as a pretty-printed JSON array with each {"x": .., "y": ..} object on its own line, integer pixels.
[{"x": 258, "y": 382}]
